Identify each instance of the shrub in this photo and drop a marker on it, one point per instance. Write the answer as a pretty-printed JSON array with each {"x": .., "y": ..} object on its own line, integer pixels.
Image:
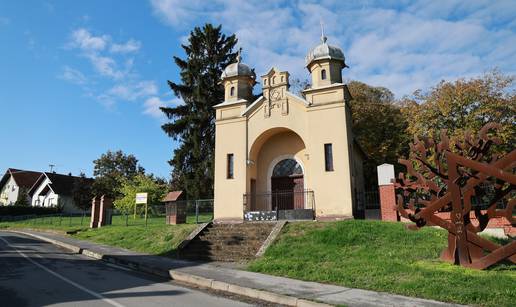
[{"x": 27, "y": 210}]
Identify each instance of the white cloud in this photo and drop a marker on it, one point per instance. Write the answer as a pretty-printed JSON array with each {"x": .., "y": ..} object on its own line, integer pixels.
[
  {"x": 114, "y": 64},
  {"x": 83, "y": 39},
  {"x": 153, "y": 104},
  {"x": 107, "y": 66},
  {"x": 127, "y": 47},
  {"x": 95, "y": 48},
  {"x": 402, "y": 47},
  {"x": 133, "y": 91},
  {"x": 73, "y": 75}
]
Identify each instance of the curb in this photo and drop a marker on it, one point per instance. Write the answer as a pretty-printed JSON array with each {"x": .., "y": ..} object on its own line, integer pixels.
[
  {"x": 243, "y": 291},
  {"x": 199, "y": 281}
]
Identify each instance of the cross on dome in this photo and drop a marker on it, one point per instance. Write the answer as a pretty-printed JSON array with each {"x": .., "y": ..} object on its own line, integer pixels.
[
  {"x": 323, "y": 38},
  {"x": 239, "y": 55}
]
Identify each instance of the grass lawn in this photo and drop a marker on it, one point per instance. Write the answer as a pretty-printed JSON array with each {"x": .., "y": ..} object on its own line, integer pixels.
[
  {"x": 385, "y": 257},
  {"x": 157, "y": 238}
]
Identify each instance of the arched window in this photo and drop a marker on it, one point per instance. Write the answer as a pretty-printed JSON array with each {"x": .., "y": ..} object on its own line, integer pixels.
[
  {"x": 323, "y": 74},
  {"x": 273, "y": 80},
  {"x": 232, "y": 91},
  {"x": 287, "y": 168}
]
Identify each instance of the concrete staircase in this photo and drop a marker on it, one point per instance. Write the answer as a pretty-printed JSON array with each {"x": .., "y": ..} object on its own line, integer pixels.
[{"x": 228, "y": 242}]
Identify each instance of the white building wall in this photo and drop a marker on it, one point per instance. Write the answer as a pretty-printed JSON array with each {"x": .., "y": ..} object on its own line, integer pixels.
[
  {"x": 9, "y": 192},
  {"x": 46, "y": 200},
  {"x": 51, "y": 199}
]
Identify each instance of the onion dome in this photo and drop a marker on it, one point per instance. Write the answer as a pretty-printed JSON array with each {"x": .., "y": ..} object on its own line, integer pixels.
[
  {"x": 325, "y": 51},
  {"x": 237, "y": 69}
]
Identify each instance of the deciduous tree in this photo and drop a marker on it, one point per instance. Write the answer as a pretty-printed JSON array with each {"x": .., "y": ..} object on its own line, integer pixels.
[
  {"x": 140, "y": 184},
  {"x": 111, "y": 169},
  {"x": 378, "y": 125},
  {"x": 465, "y": 104}
]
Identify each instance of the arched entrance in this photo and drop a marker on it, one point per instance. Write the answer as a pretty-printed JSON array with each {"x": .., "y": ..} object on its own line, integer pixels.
[{"x": 287, "y": 185}]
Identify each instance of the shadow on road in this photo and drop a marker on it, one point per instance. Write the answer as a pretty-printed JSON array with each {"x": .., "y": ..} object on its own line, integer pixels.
[{"x": 24, "y": 283}]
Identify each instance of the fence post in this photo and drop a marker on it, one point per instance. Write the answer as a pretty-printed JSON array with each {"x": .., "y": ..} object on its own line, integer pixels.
[
  {"x": 277, "y": 209},
  {"x": 196, "y": 212}
]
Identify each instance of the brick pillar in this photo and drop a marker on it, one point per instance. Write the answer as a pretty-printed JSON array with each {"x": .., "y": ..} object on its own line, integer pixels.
[
  {"x": 95, "y": 208},
  {"x": 104, "y": 211},
  {"x": 387, "y": 193}
]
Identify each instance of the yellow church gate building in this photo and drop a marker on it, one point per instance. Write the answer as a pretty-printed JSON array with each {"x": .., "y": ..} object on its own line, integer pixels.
[{"x": 282, "y": 156}]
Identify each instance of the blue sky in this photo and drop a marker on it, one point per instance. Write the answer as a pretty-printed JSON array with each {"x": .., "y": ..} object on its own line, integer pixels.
[{"x": 80, "y": 77}]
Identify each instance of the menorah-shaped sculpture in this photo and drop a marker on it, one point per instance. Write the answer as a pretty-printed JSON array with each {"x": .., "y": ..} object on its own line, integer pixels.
[{"x": 460, "y": 177}]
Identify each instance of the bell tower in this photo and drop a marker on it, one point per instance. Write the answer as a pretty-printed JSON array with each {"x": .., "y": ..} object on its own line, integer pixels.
[
  {"x": 238, "y": 80},
  {"x": 325, "y": 63}
]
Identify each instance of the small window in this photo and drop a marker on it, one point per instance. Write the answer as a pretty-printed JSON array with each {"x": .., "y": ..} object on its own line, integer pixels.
[
  {"x": 264, "y": 81},
  {"x": 328, "y": 157},
  {"x": 232, "y": 91},
  {"x": 323, "y": 74},
  {"x": 273, "y": 80},
  {"x": 230, "y": 171}
]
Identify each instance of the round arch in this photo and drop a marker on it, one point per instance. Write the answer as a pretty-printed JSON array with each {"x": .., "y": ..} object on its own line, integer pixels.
[
  {"x": 259, "y": 141},
  {"x": 278, "y": 159}
]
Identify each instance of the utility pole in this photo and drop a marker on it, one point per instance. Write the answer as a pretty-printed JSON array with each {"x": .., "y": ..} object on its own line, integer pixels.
[{"x": 52, "y": 167}]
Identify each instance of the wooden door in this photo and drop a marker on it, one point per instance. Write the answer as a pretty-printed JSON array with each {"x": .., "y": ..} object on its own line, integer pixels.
[
  {"x": 287, "y": 193},
  {"x": 299, "y": 195}
]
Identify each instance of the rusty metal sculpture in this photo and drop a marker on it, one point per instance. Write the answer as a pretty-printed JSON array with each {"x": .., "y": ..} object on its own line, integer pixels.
[{"x": 468, "y": 179}]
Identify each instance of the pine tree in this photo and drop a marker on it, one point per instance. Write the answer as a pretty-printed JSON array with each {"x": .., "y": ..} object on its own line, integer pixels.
[{"x": 208, "y": 52}]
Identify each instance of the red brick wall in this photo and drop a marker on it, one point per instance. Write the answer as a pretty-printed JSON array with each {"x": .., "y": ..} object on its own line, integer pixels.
[{"x": 388, "y": 203}]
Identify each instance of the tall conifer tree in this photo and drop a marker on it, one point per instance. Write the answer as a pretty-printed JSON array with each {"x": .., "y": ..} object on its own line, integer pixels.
[{"x": 208, "y": 52}]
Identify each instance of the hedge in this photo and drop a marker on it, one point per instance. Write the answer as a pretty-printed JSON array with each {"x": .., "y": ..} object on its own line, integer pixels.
[{"x": 27, "y": 210}]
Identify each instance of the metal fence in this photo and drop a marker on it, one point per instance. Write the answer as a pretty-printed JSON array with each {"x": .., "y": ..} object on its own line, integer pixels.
[
  {"x": 368, "y": 200},
  {"x": 197, "y": 211},
  {"x": 279, "y": 200},
  {"x": 58, "y": 219},
  {"x": 279, "y": 205}
]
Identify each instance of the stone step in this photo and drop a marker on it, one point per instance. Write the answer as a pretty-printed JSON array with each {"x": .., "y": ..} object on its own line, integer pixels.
[
  {"x": 250, "y": 238},
  {"x": 213, "y": 249},
  {"x": 224, "y": 249},
  {"x": 210, "y": 253},
  {"x": 237, "y": 232},
  {"x": 216, "y": 258},
  {"x": 228, "y": 242},
  {"x": 242, "y": 228},
  {"x": 243, "y": 234}
]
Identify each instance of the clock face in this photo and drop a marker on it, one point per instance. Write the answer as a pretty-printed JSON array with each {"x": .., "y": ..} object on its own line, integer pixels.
[{"x": 275, "y": 94}]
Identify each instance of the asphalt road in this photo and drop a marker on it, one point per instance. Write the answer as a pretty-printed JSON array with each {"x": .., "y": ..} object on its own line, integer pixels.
[{"x": 36, "y": 273}]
